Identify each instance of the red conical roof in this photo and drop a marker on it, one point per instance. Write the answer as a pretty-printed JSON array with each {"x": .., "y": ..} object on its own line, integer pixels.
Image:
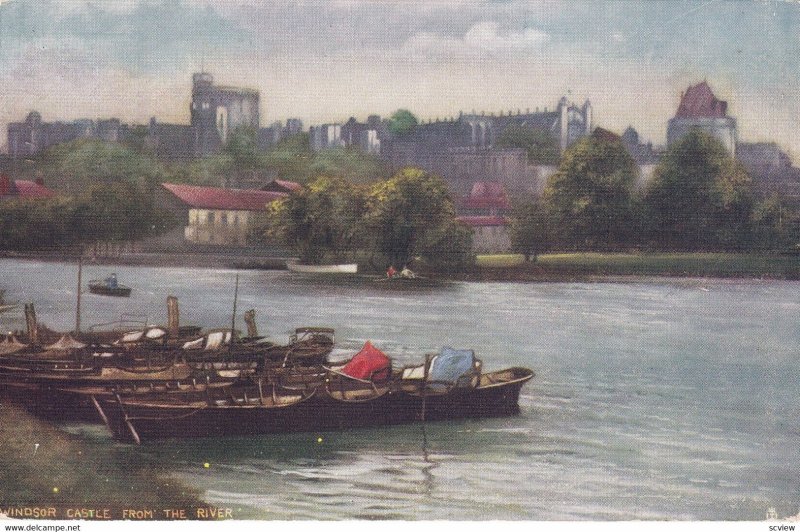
[{"x": 699, "y": 102}]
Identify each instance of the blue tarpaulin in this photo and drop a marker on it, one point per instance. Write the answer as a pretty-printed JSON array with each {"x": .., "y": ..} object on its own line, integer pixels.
[{"x": 451, "y": 364}]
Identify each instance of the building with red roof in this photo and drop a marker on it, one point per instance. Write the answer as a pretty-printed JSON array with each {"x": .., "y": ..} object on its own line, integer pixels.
[
  {"x": 486, "y": 198},
  {"x": 701, "y": 109},
  {"x": 21, "y": 189},
  {"x": 216, "y": 216}
]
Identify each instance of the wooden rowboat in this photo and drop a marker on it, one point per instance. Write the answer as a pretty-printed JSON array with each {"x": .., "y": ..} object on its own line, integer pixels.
[
  {"x": 102, "y": 288},
  {"x": 312, "y": 407},
  {"x": 295, "y": 266}
]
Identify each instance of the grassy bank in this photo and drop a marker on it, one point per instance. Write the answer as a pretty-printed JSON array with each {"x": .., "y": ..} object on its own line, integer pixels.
[
  {"x": 65, "y": 472},
  {"x": 577, "y": 265}
]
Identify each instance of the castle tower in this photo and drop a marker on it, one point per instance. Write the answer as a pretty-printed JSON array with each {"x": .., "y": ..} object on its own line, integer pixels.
[
  {"x": 700, "y": 108},
  {"x": 217, "y": 111}
]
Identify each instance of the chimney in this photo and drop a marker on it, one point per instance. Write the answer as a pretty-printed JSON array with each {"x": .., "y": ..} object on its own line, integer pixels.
[
  {"x": 33, "y": 327},
  {"x": 173, "y": 316},
  {"x": 250, "y": 320}
]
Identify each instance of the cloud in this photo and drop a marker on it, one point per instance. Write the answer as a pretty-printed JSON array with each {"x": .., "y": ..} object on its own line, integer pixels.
[
  {"x": 141, "y": 36},
  {"x": 482, "y": 38}
]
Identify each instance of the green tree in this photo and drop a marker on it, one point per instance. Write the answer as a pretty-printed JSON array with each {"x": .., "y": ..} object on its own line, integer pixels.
[
  {"x": 412, "y": 215},
  {"x": 324, "y": 219},
  {"x": 75, "y": 167},
  {"x": 117, "y": 212},
  {"x": 402, "y": 122},
  {"x": 531, "y": 228},
  {"x": 38, "y": 224},
  {"x": 540, "y": 145},
  {"x": 591, "y": 195},
  {"x": 700, "y": 198},
  {"x": 348, "y": 163}
]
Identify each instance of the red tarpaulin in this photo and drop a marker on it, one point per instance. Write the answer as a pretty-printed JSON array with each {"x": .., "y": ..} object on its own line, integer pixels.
[{"x": 369, "y": 362}]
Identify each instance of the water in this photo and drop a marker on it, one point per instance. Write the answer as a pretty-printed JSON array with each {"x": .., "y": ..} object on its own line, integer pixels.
[{"x": 654, "y": 399}]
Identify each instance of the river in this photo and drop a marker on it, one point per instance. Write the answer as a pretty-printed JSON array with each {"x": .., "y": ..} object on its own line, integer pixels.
[{"x": 653, "y": 399}]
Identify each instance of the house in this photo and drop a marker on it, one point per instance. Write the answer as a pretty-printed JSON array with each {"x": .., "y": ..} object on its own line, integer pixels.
[
  {"x": 21, "y": 189},
  {"x": 490, "y": 233},
  {"x": 215, "y": 216}
]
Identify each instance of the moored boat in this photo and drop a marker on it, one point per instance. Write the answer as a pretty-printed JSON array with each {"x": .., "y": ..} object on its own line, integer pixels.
[
  {"x": 364, "y": 392},
  {"x": 321, "y": 268}
]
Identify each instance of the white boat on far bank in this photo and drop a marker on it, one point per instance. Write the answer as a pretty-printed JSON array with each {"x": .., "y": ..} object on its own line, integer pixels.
[{"x": 295, "y": 266}]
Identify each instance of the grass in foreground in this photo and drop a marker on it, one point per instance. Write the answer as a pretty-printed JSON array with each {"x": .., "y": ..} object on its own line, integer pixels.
[{"x": 65, "y": 471}]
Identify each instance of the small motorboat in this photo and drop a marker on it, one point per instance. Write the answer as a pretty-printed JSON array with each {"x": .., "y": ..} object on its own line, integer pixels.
[{"x": 109, "y": 287}]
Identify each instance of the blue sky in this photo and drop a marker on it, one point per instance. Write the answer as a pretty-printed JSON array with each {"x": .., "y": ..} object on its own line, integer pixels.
[{"x": 327, "y": 60}]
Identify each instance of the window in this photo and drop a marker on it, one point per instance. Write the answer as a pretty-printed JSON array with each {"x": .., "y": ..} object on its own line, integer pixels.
[{"x": 223, "y": 218}]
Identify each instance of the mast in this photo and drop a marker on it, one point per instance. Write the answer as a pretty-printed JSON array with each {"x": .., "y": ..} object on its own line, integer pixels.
[
  {"x": 78, "y": 306},
  {"x": 233, "y": 316}
]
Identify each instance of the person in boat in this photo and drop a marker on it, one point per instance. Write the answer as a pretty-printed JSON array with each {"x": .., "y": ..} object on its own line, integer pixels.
[
  {"x": 390, "y": 271},
  {"x": 406, "y": 273},
  {"x": 111, "y": 281}
]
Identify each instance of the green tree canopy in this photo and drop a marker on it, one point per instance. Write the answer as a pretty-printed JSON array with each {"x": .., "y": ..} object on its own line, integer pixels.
[
  {"x": 324, "y": 219},
  {"x": 700, "y": 198},
  {"x": 117, "y": 212},
  {"x": 531, "y": 228},
  {"x": 75, "y": 167},
  {"x": 38, "y": 224},
  {"x": 402, "y": 122},
  {"x": 412, "y": 214},
  {"x": 540, "y": 145},
  {"x": 591, "y": 195}
]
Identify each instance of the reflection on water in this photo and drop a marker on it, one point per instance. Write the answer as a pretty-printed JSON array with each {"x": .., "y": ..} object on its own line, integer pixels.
[{"x": 659, "y": 399}]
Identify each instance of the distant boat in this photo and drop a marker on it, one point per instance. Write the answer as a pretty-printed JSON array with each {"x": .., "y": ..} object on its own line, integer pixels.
[
  {"x": 103, "y": 288},
  {"x": 294, "y": 266}
]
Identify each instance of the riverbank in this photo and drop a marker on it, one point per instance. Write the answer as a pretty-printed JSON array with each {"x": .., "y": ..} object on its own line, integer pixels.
[
  {"x": 594, "y": 266},
  {"x": 553, "y": 267},
  {"x": 48, "y": 473}
]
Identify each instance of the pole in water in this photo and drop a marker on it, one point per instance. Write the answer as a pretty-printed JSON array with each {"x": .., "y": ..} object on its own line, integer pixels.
[
  {"x": 78, "y": 307},
  {"x": 424, "y": 387},
  {"x": 233, "y": 317}
]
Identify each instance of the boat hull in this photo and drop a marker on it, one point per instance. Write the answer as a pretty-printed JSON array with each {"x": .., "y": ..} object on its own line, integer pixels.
[
  {"x": 319, "y": 413},
  {"x": 102, "y": 290},
  {"x": 322, "y": 268}
]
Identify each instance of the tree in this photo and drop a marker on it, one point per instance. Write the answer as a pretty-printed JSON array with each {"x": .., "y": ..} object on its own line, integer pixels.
[
  {"x": 325, "y": 218},
  {"x": 700, "y": 198},
  {"x": 117, "y": 212},
  {"x": 540, "y": 145},
  {"x": 412, "y": 215},
  {"x": 402, "y": 122},
  {"x": 591, "y": 194},
  {"x": 530, "y": 228},
  {"x": 351, "y": 164},
  {"x": 75, "y": 167}
]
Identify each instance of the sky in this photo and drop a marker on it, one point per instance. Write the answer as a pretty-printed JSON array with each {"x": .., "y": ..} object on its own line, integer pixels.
[{"x": 324, "y": 61}]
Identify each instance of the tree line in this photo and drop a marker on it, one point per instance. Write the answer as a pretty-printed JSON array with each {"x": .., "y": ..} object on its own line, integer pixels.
[
  {"x": 408, "y": 218},
  {"x": 698, "y": 199}
]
